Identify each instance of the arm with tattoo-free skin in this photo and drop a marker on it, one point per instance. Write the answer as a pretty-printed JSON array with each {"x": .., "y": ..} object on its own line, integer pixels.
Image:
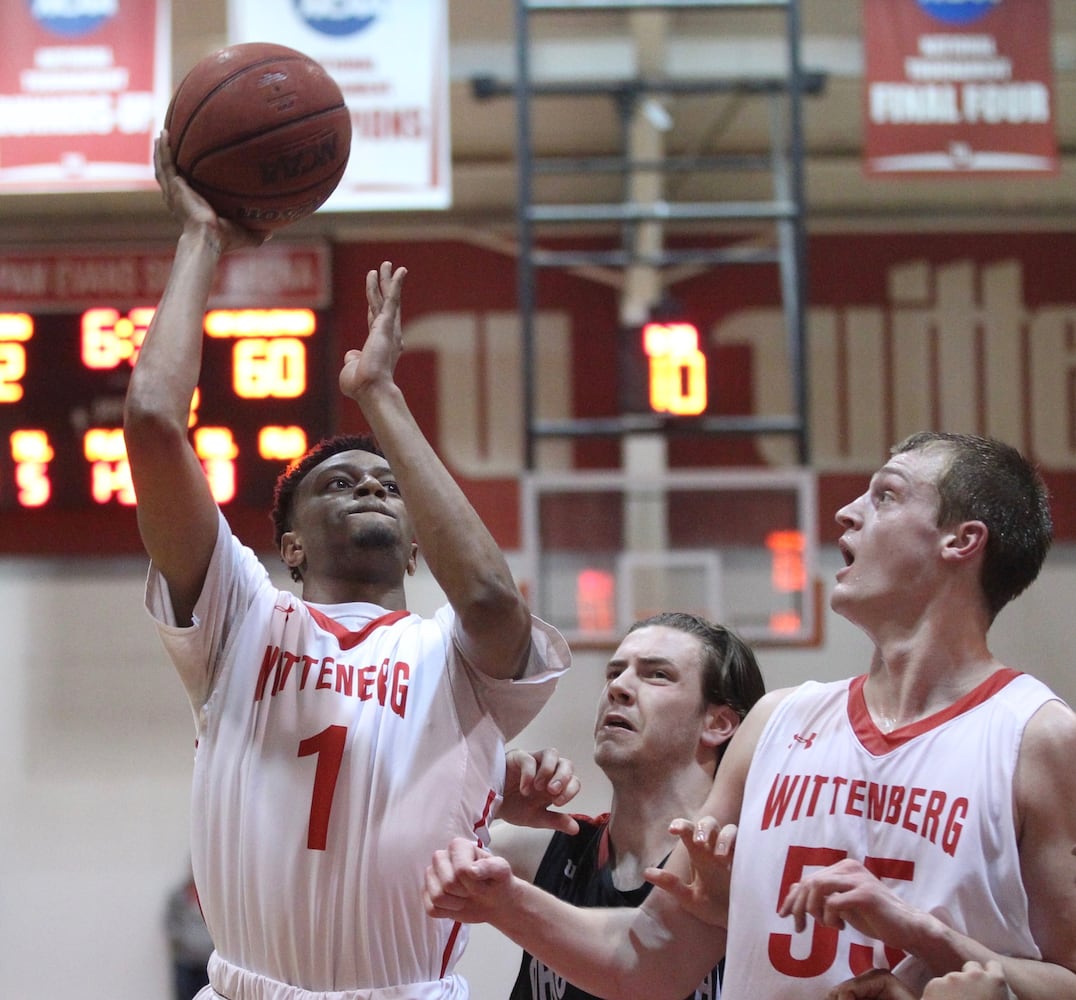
[
  {"x": 177, "y": 515},
  {"x": 464, "y": 558},
  {"x": 658, "y": 951},
  {"x": 605, "y": 952},
  {"x": 975, "y": 981}
]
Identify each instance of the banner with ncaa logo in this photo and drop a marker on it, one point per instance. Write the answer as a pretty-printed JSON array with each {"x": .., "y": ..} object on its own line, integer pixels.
[
  {"x": 83, "y": 88},
  {"x": 390, "y": 58},
  {"x": 959, "y": 87}
]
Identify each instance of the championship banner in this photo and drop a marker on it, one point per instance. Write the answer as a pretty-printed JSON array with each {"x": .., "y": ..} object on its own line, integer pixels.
[
  {"x": 83, "y": 88},
  {"x": 959, "y": 87},
  {"x": 390, "y": 59}
]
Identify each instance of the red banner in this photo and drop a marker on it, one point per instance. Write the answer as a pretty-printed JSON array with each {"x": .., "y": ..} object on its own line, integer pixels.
[
  {"x": 83, "y": 88},
  {"x": 278, "y": 275},
  {"x": 957, "y": 87}
]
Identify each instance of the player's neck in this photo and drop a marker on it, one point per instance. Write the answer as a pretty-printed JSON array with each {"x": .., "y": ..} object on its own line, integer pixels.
[
  {"x": 906, "y": 684},
  {"x": 639, "y": 822},
  {"x": 335, "y": 591}
]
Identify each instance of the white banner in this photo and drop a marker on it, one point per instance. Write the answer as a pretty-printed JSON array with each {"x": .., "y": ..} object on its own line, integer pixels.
[{"x": 390, "y": 58}]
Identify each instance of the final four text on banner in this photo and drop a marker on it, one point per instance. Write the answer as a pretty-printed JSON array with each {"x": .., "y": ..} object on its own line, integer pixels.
[
  {"x": 83, "y": 89},
  {"x": 390, "y": 58},
  {"x": 959, "y": 87}
]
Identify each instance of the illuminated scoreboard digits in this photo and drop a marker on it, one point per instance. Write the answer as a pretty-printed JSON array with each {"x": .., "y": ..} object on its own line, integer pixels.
[
  {"x": 664, "y": 370},
  {"x": 676, "y": 373},
  {"x": 63, "y": 377},
  {"x": 15, "y": 330}
]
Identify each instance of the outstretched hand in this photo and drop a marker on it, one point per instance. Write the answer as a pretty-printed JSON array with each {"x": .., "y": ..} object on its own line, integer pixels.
[
  {"x": 847, "y": 893},
  {"x": 376, "y": 361},
  {"x": 705, "y": 893},
  {"x": 536, "y": 783},
  {"x": 466, "y": 883},
  {"x": 973, "y": 982},
  {"x": 189, "y": 208}
]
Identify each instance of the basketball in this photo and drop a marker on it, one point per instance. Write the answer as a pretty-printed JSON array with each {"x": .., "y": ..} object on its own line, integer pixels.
[{"x": 260, "y": 131}]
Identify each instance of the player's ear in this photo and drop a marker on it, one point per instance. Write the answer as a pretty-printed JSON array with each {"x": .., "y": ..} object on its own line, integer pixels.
[
  {"x": 720, "y": 723},
  {"x": 291, "y": 550},
  {"x": 965, "y": 541},
  {"x": 412, "y": 559}
]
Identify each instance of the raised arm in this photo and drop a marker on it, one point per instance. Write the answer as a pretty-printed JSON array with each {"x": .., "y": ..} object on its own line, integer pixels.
[
  {"x": 177, "y": 516},
  {"x": 461, "y": 553}
]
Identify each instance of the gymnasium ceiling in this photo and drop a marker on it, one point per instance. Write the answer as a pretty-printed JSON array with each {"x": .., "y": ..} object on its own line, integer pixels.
[{"x": 483, "y": 131}]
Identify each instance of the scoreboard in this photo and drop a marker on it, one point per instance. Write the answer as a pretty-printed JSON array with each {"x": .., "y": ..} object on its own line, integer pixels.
[{"x": 260, "y": 402}]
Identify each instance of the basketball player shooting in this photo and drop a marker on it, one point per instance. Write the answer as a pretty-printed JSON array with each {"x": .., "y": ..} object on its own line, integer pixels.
[{"x": 340, "y": 738}]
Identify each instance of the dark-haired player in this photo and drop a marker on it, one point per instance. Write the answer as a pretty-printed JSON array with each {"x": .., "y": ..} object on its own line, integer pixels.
[
  {"x": 340, "y": 738},
  {"x": 676, "y": 689}
]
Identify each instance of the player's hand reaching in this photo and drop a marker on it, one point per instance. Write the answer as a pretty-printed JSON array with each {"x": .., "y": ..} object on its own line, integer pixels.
[
  {"x": 705, "y": 893},
  {"x": 973, "y": 982},
  {"x": 878, "y": 984},
  {"x": 466, "y": 883},
  {"x": 375, "y": 363},
  {"x": 189, "y": 208},
  {"x": 847, "y": 893},
  {"x": 536, "y": 783}
]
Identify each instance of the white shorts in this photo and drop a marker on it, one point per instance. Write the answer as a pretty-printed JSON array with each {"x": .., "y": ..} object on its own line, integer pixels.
[{"x": 229, "y": 982}]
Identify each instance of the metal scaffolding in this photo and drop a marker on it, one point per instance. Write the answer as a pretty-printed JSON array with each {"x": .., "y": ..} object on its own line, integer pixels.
[{"x": 642, "y": 217}]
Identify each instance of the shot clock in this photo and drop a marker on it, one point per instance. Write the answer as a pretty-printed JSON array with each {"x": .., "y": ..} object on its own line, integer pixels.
[{"x": 663, "y": 370}]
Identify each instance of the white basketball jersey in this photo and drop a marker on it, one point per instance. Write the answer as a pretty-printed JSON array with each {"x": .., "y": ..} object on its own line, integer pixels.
[
  {"x": 927, "y": 808},
  {"x": 338, "y": 748}
]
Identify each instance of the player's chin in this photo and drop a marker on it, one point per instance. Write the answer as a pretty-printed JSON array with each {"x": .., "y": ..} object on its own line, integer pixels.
[
  {"x": 609, "y": 751},
  {"x": 840, "y": 597}
]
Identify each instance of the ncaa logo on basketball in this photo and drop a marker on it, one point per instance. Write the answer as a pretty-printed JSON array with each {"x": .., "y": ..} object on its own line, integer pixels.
[
  {"x": 340, "y": 17},
  {"x": 958, "y": 11},
  {"x": 73, "y": 17}
]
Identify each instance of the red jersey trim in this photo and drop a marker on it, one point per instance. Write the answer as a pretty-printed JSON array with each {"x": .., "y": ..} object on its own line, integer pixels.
[
  {"x": 347, "y": 638},
  {"x": 878, "y": 742},
  {"x": 483, "y": 821}
]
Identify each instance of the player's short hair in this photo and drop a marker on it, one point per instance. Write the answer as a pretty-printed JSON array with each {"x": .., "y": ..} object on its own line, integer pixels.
[
  {"x": 288, "y": 481},
  {"x": 730, "y": 672},
  {"x": 990, "y": 481}
]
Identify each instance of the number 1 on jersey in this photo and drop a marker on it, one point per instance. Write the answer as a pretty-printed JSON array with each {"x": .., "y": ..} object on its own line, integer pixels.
[{"x": 329, "y": 747}]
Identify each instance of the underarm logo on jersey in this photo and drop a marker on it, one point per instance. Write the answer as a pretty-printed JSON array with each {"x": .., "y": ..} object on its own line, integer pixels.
[
  {"x": 387, "y": 683},
  {"x": 935, "y": 815}
]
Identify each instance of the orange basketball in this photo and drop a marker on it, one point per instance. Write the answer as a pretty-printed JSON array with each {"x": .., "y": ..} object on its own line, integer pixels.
[{"x": 260, "y": 131}]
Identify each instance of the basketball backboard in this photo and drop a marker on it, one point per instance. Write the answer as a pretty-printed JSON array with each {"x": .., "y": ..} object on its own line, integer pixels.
[{"x": 737, "y": 546}]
